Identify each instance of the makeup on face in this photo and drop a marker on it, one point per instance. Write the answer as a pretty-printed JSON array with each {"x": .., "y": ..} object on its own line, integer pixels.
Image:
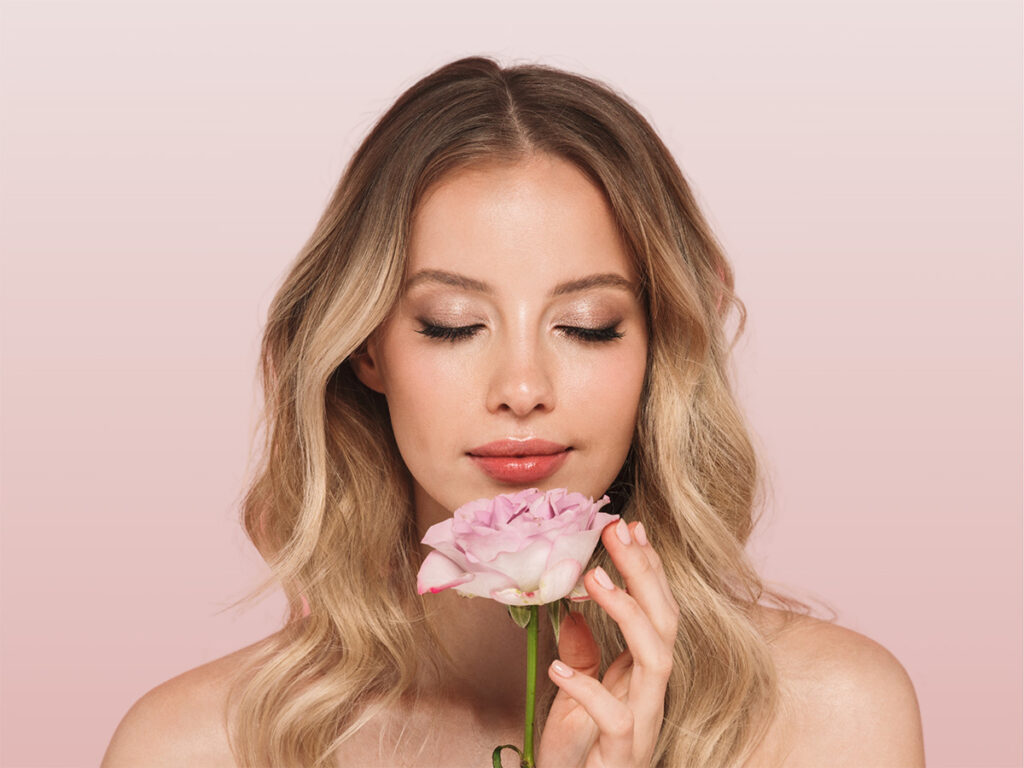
[
  {"x": 521, "y": 469},
  {"x": 520, "y": 320},
  {"x": 590, "y": 317}
]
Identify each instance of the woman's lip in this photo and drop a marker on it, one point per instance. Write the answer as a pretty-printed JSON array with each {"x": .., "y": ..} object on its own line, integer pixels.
[
  {"x": 533, "y": 446},
  {"x": 521, "y": 469}
]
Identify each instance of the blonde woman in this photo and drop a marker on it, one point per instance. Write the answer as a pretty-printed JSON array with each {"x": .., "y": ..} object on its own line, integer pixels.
[{"x": 513, "y": 287}]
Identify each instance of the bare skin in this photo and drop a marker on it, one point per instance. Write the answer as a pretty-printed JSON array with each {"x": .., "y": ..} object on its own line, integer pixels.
[{"x": 847, "y": 702}]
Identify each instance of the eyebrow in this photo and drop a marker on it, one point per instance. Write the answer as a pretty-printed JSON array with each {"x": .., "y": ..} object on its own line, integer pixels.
[{"x": 601, "y": 280}]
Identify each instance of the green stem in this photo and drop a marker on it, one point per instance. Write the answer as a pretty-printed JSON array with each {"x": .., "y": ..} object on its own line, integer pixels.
[{"x": 531, "y": 686}]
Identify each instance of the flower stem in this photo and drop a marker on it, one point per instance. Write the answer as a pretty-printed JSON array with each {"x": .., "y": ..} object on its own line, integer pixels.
[{"x": 531, "y": 686}]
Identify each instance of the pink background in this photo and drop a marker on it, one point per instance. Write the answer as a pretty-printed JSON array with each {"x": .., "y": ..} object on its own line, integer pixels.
[{"x": 162, "y": 162}]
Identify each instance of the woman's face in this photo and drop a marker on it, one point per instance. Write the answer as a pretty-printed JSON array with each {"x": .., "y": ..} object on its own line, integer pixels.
[{"x": 525, "y": 260}]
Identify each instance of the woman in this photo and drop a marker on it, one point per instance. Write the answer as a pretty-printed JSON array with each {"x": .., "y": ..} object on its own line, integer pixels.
[{"x": 513, "y": 263}]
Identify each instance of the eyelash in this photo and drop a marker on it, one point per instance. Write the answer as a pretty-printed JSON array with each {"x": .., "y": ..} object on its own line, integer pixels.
[{"x": 447, "y": 333}]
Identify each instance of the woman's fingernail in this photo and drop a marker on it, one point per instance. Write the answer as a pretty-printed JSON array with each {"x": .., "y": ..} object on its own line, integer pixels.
[
  {"x": 640, "y": 533},
  {"x": 622, "y": 531},
  {"x": 562, "y": 670},
  {"x": 602, "y": 578}
]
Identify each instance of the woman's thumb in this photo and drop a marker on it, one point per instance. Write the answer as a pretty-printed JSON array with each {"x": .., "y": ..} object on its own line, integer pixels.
[{"x": 576, "y": 646}]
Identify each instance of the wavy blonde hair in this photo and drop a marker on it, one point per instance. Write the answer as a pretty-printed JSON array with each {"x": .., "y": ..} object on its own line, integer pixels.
[{"x": 355, "y": 635}]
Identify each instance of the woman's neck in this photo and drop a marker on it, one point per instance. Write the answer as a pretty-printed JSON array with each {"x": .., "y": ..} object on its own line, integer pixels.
[{"x": 489, "y": 651}]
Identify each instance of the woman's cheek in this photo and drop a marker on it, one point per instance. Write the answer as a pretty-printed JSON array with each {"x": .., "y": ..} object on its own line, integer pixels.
[
  {"x": 609, "y": 378},
  {"x": 440, "y": 385}
]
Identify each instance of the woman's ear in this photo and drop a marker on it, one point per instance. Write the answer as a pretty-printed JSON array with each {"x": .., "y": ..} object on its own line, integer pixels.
[{"x": 364, "y": 363}]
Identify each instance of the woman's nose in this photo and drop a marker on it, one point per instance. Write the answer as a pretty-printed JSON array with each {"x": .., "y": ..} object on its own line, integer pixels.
[{"x": 520, "y": 380}]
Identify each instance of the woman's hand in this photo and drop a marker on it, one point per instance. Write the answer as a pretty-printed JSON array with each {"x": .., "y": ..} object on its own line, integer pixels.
[{"x": 615, "y": 722}]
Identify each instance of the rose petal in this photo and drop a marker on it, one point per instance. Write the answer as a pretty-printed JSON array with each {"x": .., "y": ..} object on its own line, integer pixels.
[
  {"x": 579, "y": 593},
  {"x": 438, "y": 572},
  {"x": 452, "y": 551},
  {"x": 515, "y": 596},
  {"x": 484, "y": 583},
  {"x": 526, "y": 566},
  {"x": 484, "y": 547},
  {"x": 438, "y": 533},
  {"x": 601, "y": 520},
  {"x": 577, "y": 546},
  {"x": 559, "y": 581}
]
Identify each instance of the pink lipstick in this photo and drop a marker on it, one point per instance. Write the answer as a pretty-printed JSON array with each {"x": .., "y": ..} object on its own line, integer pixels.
[{"x": 520, "y": 461}]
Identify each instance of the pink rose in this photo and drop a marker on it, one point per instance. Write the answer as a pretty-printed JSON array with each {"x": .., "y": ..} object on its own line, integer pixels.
[{"x": 525, "y": 548}]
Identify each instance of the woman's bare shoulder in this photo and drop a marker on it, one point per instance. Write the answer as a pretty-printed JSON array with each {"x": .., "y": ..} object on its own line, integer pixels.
[
  {"x": 182, "y": 720},
  {"x": 846, "y": 699}
]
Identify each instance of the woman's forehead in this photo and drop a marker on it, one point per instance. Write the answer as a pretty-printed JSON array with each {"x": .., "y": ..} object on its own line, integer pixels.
[{"x": 542, "y": 216}]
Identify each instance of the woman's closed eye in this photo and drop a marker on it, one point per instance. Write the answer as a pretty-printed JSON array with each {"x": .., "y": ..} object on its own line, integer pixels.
[{"x": 457, "y": 333}]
